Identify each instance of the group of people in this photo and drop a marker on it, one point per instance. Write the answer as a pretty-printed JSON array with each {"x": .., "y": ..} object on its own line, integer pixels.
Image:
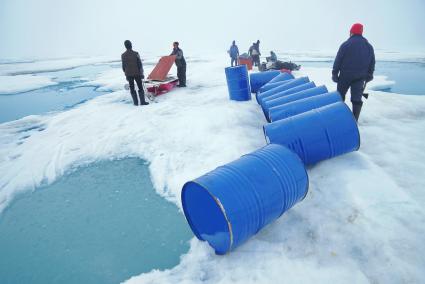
[
  {"x": 253, "y": 52},
  {"x": 353, "y": 67},
  {"x": 133, "y": 69}
]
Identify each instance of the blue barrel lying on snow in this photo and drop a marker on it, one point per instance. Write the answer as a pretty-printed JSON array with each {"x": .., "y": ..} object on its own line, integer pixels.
[
  {"x": 238, "y": 83},
  {"x": 261, "y": 78},
  {"x": 282, "y": 88},
  {"x": 283, "y": 76},
  {"x": 293, "y": 90},
  {"x": 232, "y": 203},
  {"x": 267, "y": 104},
  {"x": 303, "y": 105},
  {"x": 318, "y": 134},
  {"x": 276, "y": 81},
  {"x": 270, "y": 86}
]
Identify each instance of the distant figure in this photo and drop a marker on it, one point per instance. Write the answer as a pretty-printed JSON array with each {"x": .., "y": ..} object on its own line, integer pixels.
[
  {"x": 180, "y": 63},
  {"x": 255, "y": 53},
  {"x": 257, "y": 46},
  {"x": 133, "y": 69},
  {"x": 234, "y": 54},
  {"x": 273, "y": 56},
  {"x": 353, "y": 67}
]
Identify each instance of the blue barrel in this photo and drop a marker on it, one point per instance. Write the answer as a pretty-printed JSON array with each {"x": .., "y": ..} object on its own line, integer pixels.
[
  {"x": 237, "y": 83},
  {"x": 284, "y": 87},
  {"x": 282, "y": 77},
  {"x": 261, "y": 78},
  {"x": 300, "y": 106},
  {"x": 267, "y": 104},
  {"x": 230, "y": 204},
  {"x": 318, "y": 134},
  {"x": 270, "y": 86},
  {"x": 290, "y": 91}
]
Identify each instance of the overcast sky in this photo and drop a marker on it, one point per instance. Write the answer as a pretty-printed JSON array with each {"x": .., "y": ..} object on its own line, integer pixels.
[{"x": 57, "y": 28}]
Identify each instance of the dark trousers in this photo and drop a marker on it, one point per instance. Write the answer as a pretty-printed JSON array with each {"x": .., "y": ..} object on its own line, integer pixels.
[
  {"x": 139, "y": 83},
  {"x": 355, "y": 84},
  {"x": 181, "y": 74},
  {"x": 234, "y": 60},
  {"x": 256, "y": 60}
]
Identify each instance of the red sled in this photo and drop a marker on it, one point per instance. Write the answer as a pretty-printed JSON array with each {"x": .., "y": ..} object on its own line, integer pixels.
[
  {"x": 158, "y": 83},
  {"x": 161, "y": 87}
]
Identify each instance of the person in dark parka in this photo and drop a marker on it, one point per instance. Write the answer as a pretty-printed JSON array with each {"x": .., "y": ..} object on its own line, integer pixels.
[
  {"x": 353, "y": 67},
  {"x": 234, "y": 54},
  {"x": 180, "y": 63},
  {"x": 133, "y": 70},
  {"x": 254, "y": 53}
]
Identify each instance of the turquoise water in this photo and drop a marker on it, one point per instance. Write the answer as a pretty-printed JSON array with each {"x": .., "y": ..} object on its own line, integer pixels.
[
  {"x": 408, "y": 76},
  {"x": 55, "y": 98},
  {"x": 98, "y": 224},
  {"x": 66, "y": 94}
]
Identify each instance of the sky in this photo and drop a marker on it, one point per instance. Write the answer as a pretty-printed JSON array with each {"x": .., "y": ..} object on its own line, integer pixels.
[{"x": 58, "y": 28}]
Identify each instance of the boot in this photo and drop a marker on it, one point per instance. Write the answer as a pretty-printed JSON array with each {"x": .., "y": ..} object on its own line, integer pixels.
[
  {"x": 143, "y": 102},
  {"x": 357, "y": 107},
  {"x": 134, "y": 96}
]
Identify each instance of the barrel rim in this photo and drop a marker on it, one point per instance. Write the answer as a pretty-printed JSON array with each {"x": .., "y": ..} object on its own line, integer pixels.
[{"x": 219, "y": 205}]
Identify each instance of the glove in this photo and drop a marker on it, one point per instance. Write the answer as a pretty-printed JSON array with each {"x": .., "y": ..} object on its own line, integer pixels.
[
  {"x": 369, "y": 78},
  {"x": 335, "y": 78}
]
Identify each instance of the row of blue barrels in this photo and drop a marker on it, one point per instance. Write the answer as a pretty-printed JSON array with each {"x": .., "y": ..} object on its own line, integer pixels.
[
  {"x": 233, "y": 202},
  {"x": 309, "y": 120}
]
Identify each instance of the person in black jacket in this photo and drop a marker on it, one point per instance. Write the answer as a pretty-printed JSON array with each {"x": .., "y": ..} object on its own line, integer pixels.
[
  {"x": 133, "y": 70},
  {"x": 353, "y": 67},
  {"x": 180, "y": 63},
  {"x": 254, "y": 52}
]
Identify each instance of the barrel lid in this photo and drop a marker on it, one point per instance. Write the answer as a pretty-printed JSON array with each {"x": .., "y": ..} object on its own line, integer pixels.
[{"x": 207, "y": 217}]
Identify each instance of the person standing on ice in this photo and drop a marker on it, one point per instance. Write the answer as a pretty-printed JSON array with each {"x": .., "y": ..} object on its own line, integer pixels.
[
  {"x": 133, "y": 70},
  {"x": 273, "y": 56},
  {"x": 234, "y": 54},
  {"x": 257, "y": 46},
  {"x": 353, "y": 67},
  {"x": 180, "y": 63},
  {"x": 254, "y": 52}
]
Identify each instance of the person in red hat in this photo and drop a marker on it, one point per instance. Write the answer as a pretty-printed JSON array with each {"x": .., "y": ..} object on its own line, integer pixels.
[{"x": 353, "y": 67}]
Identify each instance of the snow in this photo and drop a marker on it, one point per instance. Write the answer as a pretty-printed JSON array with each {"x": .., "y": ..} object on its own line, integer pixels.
[
  {"x": 362, "y": 221},
  {"x": 23, "y": 83}
]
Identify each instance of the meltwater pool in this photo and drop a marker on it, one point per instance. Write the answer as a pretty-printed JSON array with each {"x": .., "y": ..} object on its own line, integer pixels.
[{"x": 101, "y": 223}]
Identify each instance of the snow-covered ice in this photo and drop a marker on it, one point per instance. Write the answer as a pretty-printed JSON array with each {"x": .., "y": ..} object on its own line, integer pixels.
[
  {"x": 362, "y": 221},
  {"x": 23, "y": 83}
]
